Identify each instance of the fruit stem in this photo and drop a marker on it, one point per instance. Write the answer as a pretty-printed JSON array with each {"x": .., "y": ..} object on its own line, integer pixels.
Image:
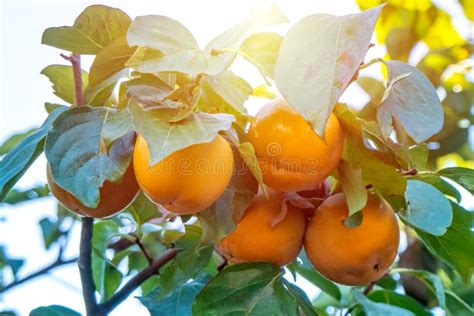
[
  {"x": 369, "y": 288},
  {"x": 370, "y": 63}
]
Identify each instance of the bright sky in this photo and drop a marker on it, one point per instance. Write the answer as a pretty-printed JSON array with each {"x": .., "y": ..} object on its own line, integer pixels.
[{"x": 23, "y": 92}]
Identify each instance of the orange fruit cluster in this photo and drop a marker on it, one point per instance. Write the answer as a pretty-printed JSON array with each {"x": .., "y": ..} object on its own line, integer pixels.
[{"x": 274, "y": 228}]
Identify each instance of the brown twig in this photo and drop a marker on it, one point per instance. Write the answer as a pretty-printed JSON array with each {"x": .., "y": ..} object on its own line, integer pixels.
[
  {"x": 222, "y": 265},
  {"x": 58, "y": 263},
  {"x": 137, "y": 280},
  {"x": 369, "y": 288},
  {"x": 143, "y": 250},
  {"x": 409, "y": 172},
  {"x": 75, "y": 60}
]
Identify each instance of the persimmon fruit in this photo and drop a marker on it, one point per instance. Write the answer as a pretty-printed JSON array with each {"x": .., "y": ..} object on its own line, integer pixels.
[
  {"x": 190, "y": 179},
  {"x": 352, "y": 256},
  {"x": 291, "y": 155},
  {"x": 256, "y": 239},
  {"x": 114, "y": 196}
]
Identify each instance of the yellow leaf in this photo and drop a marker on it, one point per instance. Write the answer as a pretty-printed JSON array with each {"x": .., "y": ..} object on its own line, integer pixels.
[
  {"x": 110, "y": 60},
  {"x": 442, "y": 33}
]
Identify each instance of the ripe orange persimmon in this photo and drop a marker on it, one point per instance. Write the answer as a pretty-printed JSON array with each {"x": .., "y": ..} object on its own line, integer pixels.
[
  {"x": 254, "y": 238},
  {"x": 352, "y": 256},
  {"x": 189, "y": 180},
  {"x": 114, "y": 196},
  {"x": 291, "y": 155}
]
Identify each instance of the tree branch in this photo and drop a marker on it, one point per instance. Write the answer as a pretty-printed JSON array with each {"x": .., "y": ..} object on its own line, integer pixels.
[
  {"x": 59, "y": 262},
  {"x": 75, "y": 60},
  {"x": 138, "y": 279},
  {"x": 143, "y": 250},
  {"x": 85, "y": 266},
  {"x": 38, "y": 273}
]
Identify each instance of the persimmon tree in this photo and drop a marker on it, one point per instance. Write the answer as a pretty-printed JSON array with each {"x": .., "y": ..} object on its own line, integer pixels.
[{"x": 202, "y": 208}]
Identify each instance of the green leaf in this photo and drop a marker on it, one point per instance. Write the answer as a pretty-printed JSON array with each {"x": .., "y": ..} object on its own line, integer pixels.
[
  {"x": 375, "y": 309},
  {"x": 233, "y": 89},
  {"x": 457, "y": 306},
  {"x": 14, "y": 140},
  {"x": 191, "y": 61},
  {"x": 211, "y": 102},
  {"x": 191, "y": 239},
  {"x": 261, "y": 49},
  {"x": 455, "y": 246},
  {"x": 51, "y": 231},
  {"x": 462, "y": 176},
  {"x": 216, "y": 220},
  {"x": 432, "y": 282},
  {"x": 169, "y": 46},
  {"x": 143, "y": 210},
  {"x": 247, "y": 289},
  {"x": 50, "y": 107},
  {"x": 73, "y": 150},
  {"x": 14, "y": 264},
  {"x": 53, "y": 310},
  {"x": 161, "y": 33},
  {"x": 223, "y": 215},
  {"x": 107, "y": 69},
  {"x": 319, "y": 55},
  {"x": 306, "y": 270},
  {"x": 440, "y": 184},
  {"x": 428, "y": 210},
  {"x": 147, "y": 89},
  {"x": 179, "y": 303},
  {"x": 232, "y": 38},
  {"x": 410, "y": 101},
  {"x": 92, "y": 30},
  {"x": 304, "y": 304},
  {"x": 187, "y": 265},
  {"x": 17, "y": 196},
  {"x": 164, "y": 137},
  {"x": 353, "y": 187},
  {"x": 418, "y": 156},
  {"x": 62, "y": 78},
  {"x": 106, "y": 277},
  {"x": 70, "y": 39},
  {"x": 112, "y": 279},
  {"x": 378, "y": 170},
  {"x": 110, "y": 60},
  {"x": 247, "y": 152},
  {"x": 18, "y": 160},
  {"x": 373, "y": 87},
  {"x": 400, "y": 300}
]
